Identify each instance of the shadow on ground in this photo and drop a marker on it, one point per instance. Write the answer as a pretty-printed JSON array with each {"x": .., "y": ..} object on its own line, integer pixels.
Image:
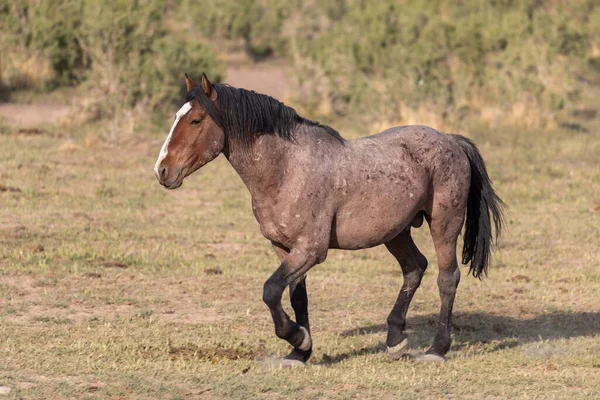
[{"x": 477, "y": 328}]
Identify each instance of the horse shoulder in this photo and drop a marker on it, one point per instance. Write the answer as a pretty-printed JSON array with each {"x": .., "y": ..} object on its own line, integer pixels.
[{"x": 294, "y": 215}]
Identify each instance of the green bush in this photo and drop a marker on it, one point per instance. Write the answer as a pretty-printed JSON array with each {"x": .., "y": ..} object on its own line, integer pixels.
[
  {"x": 119, "y": 49},
  {"x": 354, "y": 59},
  {"x": 48, "y": 27},
  {"x": 258, "y": 23},
  {"x": 383, "y": 57},
  {"x": 135, "y": 62},
  {"x": 453, "y": 55}
]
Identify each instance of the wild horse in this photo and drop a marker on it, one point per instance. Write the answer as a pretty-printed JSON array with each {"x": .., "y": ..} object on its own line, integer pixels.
[{"x": 312, "y": 190}]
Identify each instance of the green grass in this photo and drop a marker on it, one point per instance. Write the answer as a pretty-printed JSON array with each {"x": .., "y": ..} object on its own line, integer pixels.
[{"x": 104, "y": 294}]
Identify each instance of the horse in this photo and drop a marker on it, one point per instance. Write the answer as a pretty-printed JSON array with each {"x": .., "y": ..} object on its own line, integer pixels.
[{"x": 312, "y": 190}]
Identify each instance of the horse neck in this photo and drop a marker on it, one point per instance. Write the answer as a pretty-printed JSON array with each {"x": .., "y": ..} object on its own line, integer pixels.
[
  {"x": 265, "y": 164},
  {"x": 261, "y": 165}
]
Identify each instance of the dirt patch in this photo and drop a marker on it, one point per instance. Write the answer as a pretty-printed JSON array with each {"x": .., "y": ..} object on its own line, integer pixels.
[
  {"x": 263, "y": 78},
  {"x": 26, "y": 116},
  {"x": 190, "y": 314},
  {"x": 46, "y": 315},
  {"x": 10, "y": 189},
  {"x": 49, "y": 299},
  {"x": 214, "y": 354},
  {"x": 226, "y": 247},
  {"x": 31, "y": 131},
  {"x": 213, "y": 271},
  {"x": 520, "y": 278},
  {"x": 110, "y": 264}
]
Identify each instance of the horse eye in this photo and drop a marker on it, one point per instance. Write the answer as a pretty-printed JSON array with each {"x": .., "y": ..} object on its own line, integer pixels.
[{"x": 195, "y": 122}]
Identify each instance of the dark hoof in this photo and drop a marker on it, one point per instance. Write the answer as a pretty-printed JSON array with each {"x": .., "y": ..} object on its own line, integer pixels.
[
  {"x": 429, "y": 358},
  {"x": 397, "y": 352},
  {"x": 299, "y": 355},
  {"x": 296, "y": 358}
]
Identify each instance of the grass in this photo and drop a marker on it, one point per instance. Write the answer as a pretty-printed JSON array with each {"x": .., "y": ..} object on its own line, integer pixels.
[{"x": 108, "y": 289}]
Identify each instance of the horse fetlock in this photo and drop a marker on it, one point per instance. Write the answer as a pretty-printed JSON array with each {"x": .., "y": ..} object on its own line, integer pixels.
[
  {"x": 306, "y": 340},
  {"x": 299, "y": 339},
  {"x": 396, "y": 352}
]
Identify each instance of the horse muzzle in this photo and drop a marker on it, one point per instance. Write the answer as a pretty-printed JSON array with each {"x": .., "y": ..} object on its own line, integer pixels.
[{"x": 169, "y": 178}]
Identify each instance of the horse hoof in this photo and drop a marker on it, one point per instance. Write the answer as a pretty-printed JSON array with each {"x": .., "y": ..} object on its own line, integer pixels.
[
  {"x": 291, "y": 363},
  {"x": 269, "y": 363},
  {"x": 396, "y": 352},
  {"x": 429, "y": 358}
]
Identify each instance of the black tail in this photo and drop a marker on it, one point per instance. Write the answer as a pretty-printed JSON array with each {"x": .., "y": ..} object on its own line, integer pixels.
[{"x": 482, "y": 202}]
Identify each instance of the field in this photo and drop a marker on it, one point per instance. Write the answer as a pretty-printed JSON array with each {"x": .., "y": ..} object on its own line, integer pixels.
[{"x": 112, "y": 287}]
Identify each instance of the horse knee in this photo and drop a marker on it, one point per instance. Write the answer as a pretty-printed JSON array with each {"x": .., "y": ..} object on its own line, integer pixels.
[{"x": 272, "y": 293}]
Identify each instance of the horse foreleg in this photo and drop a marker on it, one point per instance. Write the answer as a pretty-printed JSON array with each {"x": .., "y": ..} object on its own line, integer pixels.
[
  {"x": 292, "y": 269},
  {"x": 299, "y": 300}
]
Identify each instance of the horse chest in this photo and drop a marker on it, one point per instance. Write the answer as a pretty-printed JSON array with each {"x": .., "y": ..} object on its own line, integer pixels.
[{"x": 274, "y": 225}]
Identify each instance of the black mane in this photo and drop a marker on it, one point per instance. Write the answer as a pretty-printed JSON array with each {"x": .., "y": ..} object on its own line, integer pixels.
[{"x": 242, "y": 114}]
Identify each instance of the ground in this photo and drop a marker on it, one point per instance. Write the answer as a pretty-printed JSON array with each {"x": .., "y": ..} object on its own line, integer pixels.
[{"x": 113, "y": 287}]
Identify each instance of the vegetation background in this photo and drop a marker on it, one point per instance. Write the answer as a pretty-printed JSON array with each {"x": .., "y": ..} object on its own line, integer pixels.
[
  {"x": 111, "y": 287},
  {"x": 499, "y": 61}
]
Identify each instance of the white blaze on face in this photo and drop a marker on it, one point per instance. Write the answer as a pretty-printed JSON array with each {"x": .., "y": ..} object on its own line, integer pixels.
[{"x": 163, "y": 152}]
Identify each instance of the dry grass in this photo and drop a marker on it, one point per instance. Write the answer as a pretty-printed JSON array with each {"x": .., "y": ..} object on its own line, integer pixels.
[
  {"x": 108, "y": 286},
  {"x": 21, "y": 67}
]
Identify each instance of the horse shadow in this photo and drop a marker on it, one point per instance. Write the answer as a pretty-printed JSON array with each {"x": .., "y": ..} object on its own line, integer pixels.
[{"x": 478, "y": 328}]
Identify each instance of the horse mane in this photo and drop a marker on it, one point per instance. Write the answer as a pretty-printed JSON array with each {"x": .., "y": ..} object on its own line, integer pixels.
[{"x": 243, "y": 114}]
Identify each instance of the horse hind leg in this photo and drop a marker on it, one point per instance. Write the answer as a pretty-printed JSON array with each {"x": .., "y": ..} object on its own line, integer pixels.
[
  {"x": 445, "y": 228},
  {"x": 413, "y": 265}
]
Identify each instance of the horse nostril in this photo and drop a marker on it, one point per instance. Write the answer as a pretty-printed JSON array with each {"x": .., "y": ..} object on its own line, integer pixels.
[{"x": 162, "y": 172}]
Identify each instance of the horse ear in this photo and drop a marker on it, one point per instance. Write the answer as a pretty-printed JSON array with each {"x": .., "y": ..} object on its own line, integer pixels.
[
  {"x": 190, "y": 83},
  {"x": 208, "y": 88}
]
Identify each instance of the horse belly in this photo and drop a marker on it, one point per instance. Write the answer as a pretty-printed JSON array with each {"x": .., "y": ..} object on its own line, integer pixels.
[{"x": 371, "y": 224}]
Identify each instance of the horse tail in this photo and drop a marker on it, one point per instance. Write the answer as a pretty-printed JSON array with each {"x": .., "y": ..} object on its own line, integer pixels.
[{"x": 483, "y": 206}]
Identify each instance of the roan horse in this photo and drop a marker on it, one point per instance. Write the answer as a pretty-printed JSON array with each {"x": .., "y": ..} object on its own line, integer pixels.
[{"x": 312, "y": 190}]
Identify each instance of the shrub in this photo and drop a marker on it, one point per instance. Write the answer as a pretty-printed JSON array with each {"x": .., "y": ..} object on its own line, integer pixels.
[
  {"x": 456, "y": 57},
  {"x": 119, "y": 49},
  {"x": 356, "y": 60},
  {"x": 47, "y": 28},
  {"x": 135, "y": 63},
  {"x": 510, "y": 59},
  {"x": 258, "y": 23}
]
